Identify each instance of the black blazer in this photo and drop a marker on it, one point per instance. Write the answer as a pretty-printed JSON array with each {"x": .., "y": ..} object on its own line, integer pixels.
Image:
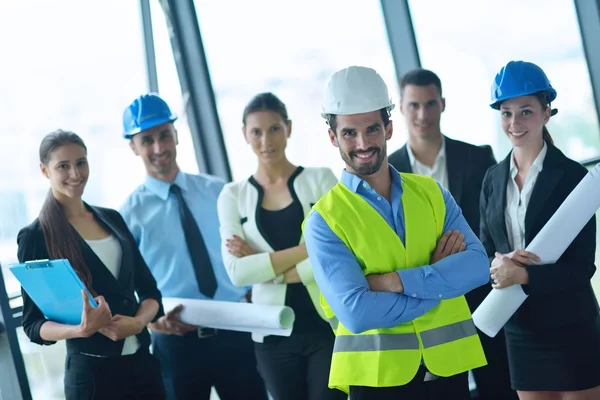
[
  {"x": 560, "y": 293},
  {"x": 119, "y": 293},
  {"x": 466, "y": 165}
]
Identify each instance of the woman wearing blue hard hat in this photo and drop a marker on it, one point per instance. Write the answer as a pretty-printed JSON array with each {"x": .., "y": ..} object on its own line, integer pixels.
[{"x": 553, "y": 340}]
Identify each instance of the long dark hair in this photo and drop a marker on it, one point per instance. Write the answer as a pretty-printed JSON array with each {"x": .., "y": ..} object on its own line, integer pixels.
[
  {"x": 60, "y": 237},
  {"x": 543, "y": 98}
]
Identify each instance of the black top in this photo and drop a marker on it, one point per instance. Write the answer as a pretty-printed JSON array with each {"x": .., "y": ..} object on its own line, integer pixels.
[
  {"x": 560, "y": 293},
  {"x": 134, "y": 277},
  {"x": 282, "y": 229}
]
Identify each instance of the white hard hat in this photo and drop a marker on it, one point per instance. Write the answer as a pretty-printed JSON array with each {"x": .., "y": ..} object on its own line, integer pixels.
[{"x": 355, "y": 90}]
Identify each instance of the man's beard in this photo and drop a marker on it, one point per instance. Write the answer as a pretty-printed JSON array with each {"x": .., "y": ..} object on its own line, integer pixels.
[{"x": 365, "y": 168}]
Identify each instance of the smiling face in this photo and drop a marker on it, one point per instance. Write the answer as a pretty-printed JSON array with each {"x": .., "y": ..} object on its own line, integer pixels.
[
  {"x": 362, "y": 141},
  {"x": 523, "y": 119},
  {"x": 267, "y": 133},
  {"x": 157, "y": 147},
  {"x": 68, "y": 171},
  {"x": 422, "y": 107}
]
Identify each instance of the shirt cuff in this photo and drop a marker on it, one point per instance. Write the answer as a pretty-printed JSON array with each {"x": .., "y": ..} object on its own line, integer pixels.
[{"x": 412, "y": 281}]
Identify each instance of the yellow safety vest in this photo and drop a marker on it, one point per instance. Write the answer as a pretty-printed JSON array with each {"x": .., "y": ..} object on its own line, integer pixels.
[{"x": 445, "y": 337}]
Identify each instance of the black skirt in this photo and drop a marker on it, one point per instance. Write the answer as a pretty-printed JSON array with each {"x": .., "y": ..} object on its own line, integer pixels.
[{"x": 565, "y": 358}]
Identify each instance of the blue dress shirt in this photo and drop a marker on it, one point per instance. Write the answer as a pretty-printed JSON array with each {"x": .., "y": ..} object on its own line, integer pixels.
[
  {"x": 152, "y": 215},
  {"x": 344, "y": 286}
]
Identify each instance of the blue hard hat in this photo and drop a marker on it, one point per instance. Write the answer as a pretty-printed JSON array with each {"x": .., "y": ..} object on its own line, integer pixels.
[
  {"x": 146, "y": 111},
  {"x": 520, "y": 78}
]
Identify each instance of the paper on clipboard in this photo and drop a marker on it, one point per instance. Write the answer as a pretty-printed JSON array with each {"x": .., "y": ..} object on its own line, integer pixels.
[
  {"x": 244, "y": 317},
  {"x": 54, "y": 287},
  {"x": 549, "y": 244}
]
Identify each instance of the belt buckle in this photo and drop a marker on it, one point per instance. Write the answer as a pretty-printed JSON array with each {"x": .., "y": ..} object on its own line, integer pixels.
[{"x": 206, "y": 332}]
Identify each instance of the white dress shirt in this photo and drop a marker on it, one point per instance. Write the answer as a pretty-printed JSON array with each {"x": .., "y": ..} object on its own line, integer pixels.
[
  {"x": 439, "y": 171},
  {"x": 517, "y": 201}
]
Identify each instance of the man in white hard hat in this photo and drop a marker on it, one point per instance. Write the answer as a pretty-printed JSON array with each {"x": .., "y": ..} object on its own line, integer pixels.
[
  {"x": 393, "y": 257},
  {"x": 460, "y": 167}
]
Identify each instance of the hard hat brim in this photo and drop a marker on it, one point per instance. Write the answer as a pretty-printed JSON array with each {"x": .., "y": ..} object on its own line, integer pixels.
[
  {"x": 496, "y": 104},
  {"x": 388, "y": 107},
  {"x": 148, "y": 124}
]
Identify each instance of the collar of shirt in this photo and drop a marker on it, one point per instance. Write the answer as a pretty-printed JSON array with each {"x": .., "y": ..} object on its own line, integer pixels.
[
  {"x": 162, "y": 188},
  {"x": 440, "y": 156},
  {"x": 356, "y": 183},
  {"x": 538, "y": 163}
]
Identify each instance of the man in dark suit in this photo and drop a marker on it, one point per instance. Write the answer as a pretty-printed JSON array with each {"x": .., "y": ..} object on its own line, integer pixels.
[{"x": 460, "y": 167}]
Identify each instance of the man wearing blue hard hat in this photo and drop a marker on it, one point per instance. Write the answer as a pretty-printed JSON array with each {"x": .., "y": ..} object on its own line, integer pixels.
[{"x": 173, "y": 217}]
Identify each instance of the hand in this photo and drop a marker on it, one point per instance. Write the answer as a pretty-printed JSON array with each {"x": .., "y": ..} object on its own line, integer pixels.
[
  {"x": 389, "y": 282},
  {"x": 239, "y": 247},
  {"x": 121, "y": 327},
  {"x": 451, "y": 242},
  {"x": 505, "y": 272},
  {"x": 92, "y": 319},
  {"x": 169, "y": 323},
  {"x": 291, "y": 276},
  {"x": 522, "y": 257}
]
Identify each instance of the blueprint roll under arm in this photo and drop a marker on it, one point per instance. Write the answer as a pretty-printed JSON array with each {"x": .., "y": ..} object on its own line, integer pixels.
[
  {"x": 549, "y": 244},
  {"x": 244, "y": 317}
]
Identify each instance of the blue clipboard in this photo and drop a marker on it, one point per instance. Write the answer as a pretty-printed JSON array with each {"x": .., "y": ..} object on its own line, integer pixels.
[{"x": 54, "y": 287}]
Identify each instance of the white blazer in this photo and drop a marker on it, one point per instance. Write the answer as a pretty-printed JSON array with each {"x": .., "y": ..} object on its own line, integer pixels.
[{"x": 238, "y": 207}]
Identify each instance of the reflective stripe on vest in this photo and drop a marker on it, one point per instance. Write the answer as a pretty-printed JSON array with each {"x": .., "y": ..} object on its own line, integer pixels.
[
  {"x": 376, "y": 342},
  {"x": 405, "y": 341},
  {"x": 334, "y": 322},
  {"x": 448, "y": 333}
]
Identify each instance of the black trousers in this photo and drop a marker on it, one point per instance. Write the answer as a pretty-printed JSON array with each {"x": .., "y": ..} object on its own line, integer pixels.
[
  {"x": 297, "y": 367},
  {"x": 453, "y": 388},
  {"x": 135, "y": 376},
  {"x": 191, "y": 366}
]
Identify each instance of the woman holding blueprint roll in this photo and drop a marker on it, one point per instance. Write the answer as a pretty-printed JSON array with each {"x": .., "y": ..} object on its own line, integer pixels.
[
  {"x": 553, "y": 339},
  {"x": 108, "y": 352},
  {"x": 262, "y": 245}
]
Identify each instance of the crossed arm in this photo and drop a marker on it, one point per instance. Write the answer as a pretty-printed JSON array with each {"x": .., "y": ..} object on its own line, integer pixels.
[{"x": 384, "y": 301}]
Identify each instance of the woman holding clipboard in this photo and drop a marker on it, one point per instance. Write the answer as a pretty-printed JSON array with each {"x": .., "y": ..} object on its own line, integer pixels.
[
  {"x": 108, "y": 352},
  {"x": 553, "y": 340}
]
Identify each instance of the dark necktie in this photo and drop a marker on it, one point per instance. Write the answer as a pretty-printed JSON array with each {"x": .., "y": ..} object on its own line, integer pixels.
[{"x": 197, "y": 248}]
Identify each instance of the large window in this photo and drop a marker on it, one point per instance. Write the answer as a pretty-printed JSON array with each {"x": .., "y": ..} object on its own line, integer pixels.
[
  {"x": 70, "y": 72},
  {"x": 467, "y": 49},
  {"x": 72, "y": 65},
  {"x": 291, "y": 49},
  {"x": 170, "y": 88}
]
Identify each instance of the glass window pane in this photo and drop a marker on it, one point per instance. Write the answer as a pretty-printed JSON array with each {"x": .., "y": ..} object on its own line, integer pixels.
[
  {"x": 467, "y": 50},
  {"x": 170, "y": 89},
  {"x": 291, "y": 49},
  {"x": 68, "y": 72}
]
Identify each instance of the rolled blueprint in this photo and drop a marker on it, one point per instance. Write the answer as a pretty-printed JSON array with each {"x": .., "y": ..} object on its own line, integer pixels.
[
  {"x": 549, "y": 244},
  {"x": 244, "y": 317}
]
